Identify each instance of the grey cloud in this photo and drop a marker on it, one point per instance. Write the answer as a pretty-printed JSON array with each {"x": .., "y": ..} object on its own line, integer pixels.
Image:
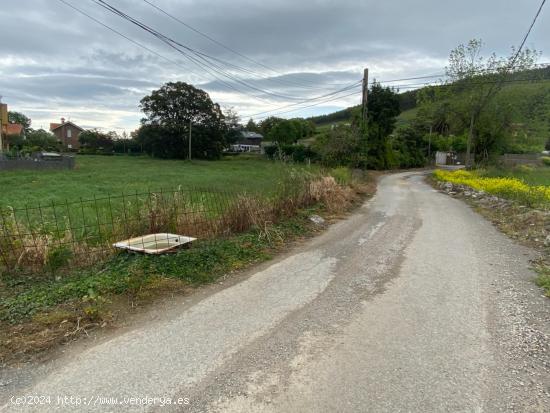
[{"x": 50, "y": 56}]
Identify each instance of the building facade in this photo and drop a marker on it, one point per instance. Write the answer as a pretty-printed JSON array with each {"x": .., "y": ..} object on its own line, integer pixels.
[{"x": 67, "y": 134}]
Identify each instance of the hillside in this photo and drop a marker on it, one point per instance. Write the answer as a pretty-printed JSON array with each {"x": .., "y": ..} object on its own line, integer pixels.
[{"x": 529, "y": 101}]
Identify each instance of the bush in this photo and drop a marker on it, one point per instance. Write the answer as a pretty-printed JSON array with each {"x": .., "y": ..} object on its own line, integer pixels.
[
  {"x": 295, "y": 153},
  {"x": 546, "y": 160},
  {"x": 342, "y": 146},
  {"x": 342, "y": 175},
  {"x": 271, "y": 151}
]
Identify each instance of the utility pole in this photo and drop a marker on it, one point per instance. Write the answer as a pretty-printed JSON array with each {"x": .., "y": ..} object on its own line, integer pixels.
[
  {"x": 365, "y": 94},
  {"x": 190, "y": 133},
  {"x": 430, "y": 145}
]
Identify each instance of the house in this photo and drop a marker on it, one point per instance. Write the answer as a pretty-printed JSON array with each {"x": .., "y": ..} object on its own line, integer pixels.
[
  {"x": 67, "y": 134},
  {"x": 15, "y": 129},
  {"x": 248, "y": 142}
]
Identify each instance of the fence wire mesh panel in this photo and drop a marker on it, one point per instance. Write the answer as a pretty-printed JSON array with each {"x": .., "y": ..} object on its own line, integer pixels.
[
  {"x": 77, "y": 233},
  {"x": 74, "y": 234}
]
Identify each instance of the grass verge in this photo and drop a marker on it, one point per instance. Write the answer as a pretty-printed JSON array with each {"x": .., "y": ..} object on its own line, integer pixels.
[{"x": 37, "y": 314}]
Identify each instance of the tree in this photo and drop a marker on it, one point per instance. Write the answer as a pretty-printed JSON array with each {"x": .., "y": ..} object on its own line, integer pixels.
[
  {"x": 17, "y": 117},
  {"x": 409, "y": 147},
  {"x": 267, "y": 124},
  {"x": 95, "y": 141},
  {"x": 341, "y": 146},
  {"x": 383, "y": 109},
  {"x": 251, "y": 126},
  {"x": 233, "y": 126},
  {"x": 477, "y": 80},
  {"x": 284, "y": 132},
  {"x": 171, "y": 109},
  {"x": 177, "y": 103},
  {"x": 39, "y": 140}
]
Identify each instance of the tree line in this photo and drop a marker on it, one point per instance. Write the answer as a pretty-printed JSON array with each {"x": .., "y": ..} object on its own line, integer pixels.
[{"x": 467, "y": 114}]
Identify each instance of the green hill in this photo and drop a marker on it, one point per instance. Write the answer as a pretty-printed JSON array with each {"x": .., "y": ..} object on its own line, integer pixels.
[{"x": 529, "y": 103}]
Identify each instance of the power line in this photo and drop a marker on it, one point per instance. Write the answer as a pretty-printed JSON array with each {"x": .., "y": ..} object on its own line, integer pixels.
[
  {"x": 230, "y": 49},
  {"x": 407, "y": 86},
  {"x": 495, "y": 87},
  {"x": 123, "y": 35},
  {"x": 228, "y": 85},
  {"x": 528, "y": 32},
  {"x": 199, "y": 55},
  {"x": 199, "y": 59},
  {"x": 414, "y": 85},
  {"x": 353, "y": 86},
  {"x": 310, "y": 106}
]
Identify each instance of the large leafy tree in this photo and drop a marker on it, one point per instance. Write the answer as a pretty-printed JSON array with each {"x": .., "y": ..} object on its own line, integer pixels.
[
  {"x": 285, "y": 132},
  {"x": 171, "y": 110},
  {"x": 473, "y": 83},
  {"x": 17, "y": 117},
  {"x": 383, "y": 110},
  {"x": 267, "y": 124}
]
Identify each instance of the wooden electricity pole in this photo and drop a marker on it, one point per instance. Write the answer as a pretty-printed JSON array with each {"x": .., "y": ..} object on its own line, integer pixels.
[
  {"x": 190, "y": 132},
  {"x": 365, "y": 94}
]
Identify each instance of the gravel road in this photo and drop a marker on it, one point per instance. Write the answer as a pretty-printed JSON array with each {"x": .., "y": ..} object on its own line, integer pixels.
[{"x": 414, "y": 303}]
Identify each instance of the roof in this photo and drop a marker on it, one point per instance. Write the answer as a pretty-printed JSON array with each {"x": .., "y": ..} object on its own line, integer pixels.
[
  {"x": 54, "y": 126},
  {"x": 247, "y": 134},
  {"x": 14, "y": 129}
]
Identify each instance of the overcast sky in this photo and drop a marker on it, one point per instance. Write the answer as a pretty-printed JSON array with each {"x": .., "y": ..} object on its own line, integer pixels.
[{"x": 55, "y": 62}]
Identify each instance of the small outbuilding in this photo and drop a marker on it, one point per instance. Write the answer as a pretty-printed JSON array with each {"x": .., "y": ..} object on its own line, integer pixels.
[{"x": 248, "y": 142}]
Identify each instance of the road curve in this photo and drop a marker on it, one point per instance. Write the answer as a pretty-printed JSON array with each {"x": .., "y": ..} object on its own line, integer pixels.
[{"x": 414, "y": 303}]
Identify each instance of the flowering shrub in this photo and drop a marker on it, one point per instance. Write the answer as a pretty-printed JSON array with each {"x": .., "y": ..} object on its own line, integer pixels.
[{"x": 510, "y": 188}]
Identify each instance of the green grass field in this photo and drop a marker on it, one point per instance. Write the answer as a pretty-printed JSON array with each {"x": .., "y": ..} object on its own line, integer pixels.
[
  {"x": 106, "y": 198},
  {"x": 103, "y": 175},
  {"x": 531, "y": 176}
]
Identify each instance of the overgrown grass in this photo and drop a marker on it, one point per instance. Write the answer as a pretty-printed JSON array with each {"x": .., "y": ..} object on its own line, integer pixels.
[
  {"x": 113, "y": 175},
  {"x": 528, "y": 174},
  {"x": 200, "y": 264},
  {"x": 220, "y": 248},
  {"x": 506, "y": 187},
  {"x": 36, "y": 315}
]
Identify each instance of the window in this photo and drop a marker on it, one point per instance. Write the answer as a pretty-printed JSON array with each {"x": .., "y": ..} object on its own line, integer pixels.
[
  {"x": 70, "y": 146},
  {"x": 69, "y": 133}
]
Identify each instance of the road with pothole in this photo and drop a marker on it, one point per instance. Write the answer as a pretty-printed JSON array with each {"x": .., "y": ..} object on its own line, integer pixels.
[{"x": 413, "y": 303}]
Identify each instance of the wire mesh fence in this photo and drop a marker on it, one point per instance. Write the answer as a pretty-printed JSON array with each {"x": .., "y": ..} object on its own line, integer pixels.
[
  {"x": 81, "y": 232},
  {"x": 72, "y": 234}
]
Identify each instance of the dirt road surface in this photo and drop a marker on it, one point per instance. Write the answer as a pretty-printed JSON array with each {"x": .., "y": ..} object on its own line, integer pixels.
[{"x": 412, "y": 304}]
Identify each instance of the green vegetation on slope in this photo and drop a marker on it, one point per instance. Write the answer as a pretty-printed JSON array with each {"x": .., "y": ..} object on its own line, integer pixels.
[{"x": 527, "y": 102}]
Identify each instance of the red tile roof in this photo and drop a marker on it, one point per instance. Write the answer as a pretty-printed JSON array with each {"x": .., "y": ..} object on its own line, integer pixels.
[
  {"x": 14, "y": 129},
  {"x": 54, "y": 126}
]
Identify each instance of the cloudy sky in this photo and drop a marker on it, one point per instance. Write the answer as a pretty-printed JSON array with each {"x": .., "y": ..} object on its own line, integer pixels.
[{"x": 56, "y": 62}]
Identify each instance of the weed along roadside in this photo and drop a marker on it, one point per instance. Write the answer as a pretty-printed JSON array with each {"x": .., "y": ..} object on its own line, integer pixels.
[{"x": 59, "y": 298}]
